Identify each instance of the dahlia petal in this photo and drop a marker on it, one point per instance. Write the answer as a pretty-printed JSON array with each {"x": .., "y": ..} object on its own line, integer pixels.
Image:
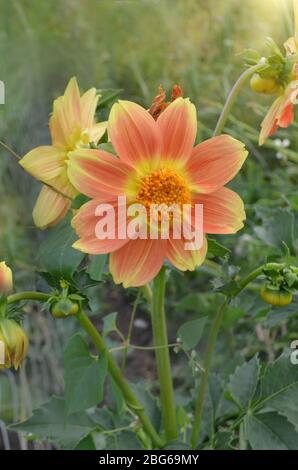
[
  {"x": 66, "y": 114},
  {"x": 215, "y": 162},
  {"x": 138, "y": 262},
  {"x": 50, "y": 208},
  {"x": 96, "y": 172},
  {"x": 134, "y": 133},
  {"x": 178, "y": 127},
  {"x": 185, "y": 260},
  {"x": 96, "y": 131},
  {"x": 88, "y": 103},
  {"x": 85, "y": 223},
  {"x": 44, "y": 163},
  {"x": 223, "y": 211}
]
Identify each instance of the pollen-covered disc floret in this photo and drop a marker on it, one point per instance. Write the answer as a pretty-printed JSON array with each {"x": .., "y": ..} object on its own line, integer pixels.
[{"x": 163, "y": 186}]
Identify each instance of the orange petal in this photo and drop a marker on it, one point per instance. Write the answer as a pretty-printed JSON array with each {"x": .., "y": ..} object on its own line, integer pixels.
[
  {"x": 50, "y": 208},
  {"x": 223, "y": 211},
  {"x": 185, "y": 260},
  {"x": 178, "y": 127},
  {"x": 44, "y": 163},
  {"x": 138, "y": 262},
  {"x": 85, "y": 222},
  {"x": 96, "y": 172},
  {"x": 215, "y": 162},
  {"x": 133, "y": 133},
  {"x": 66, "y": 115}
]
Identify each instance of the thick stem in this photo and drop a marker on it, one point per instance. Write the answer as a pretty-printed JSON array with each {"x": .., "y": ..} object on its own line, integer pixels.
[
  {"x": 130, "y": 398},
  {"x": 162, "y": 355},
  {"x": 233, "y": 96},
  {"x": 205, "y": 375}
]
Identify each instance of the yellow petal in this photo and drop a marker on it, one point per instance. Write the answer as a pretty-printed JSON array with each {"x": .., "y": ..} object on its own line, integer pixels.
[{"x": 44, "y": 163}]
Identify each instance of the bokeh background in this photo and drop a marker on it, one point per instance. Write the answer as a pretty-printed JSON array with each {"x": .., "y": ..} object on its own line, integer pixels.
[{"x": 137, "y": 45}]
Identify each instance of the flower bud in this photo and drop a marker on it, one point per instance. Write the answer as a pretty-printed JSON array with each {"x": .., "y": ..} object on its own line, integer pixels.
[
  {"x": 5, "y": 278},
  {"x": 64, "y": 308},
  {"x": 276, "y": 297},
  {"x": 13, "y": 343},
  {"x": 265, "y": 85}
]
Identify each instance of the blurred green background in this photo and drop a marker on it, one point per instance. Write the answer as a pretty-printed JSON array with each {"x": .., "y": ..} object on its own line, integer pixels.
[{"x": 137, "y": 45}]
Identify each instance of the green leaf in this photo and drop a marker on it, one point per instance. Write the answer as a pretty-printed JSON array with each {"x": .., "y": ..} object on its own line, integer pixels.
[
  {"x": 56, "y": 252},
  {"x": 79, "y": 201},
  {"x": 216, "y": 249},
  {"x": 191, "y": 332},
  {"x": 107, "y": 96},
  {"x": 84, "y": 376},
  {"x": 279, "y": 388},
  {"x": 48, "y": 422},
  {"x": 109, "y": 323},
  {"x": 243, "y": 382},
  {"x": 97, "y": 267},
  {"x": 87, "y": 443},
  {"x": 270, "y": 431}
]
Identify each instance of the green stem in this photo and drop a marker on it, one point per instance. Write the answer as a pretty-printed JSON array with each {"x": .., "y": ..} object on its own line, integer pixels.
[
  {"x": 130, "y": 398},
  {"x": 204, "y": 380},
  {"x": 30, "y": 295},
  {"x": 233, "y": 96},
  {"x": 163, "y": 357}
]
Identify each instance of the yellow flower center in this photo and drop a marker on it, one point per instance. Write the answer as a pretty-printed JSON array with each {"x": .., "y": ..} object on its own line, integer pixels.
[{"x": 163, "y": 187}]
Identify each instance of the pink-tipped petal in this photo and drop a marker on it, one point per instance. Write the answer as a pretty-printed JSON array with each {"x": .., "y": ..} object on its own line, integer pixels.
[
  {"x": 44, "y": 163},
  {"x": 6, "y": 280},
  {"x": 215, "y": 162},
  {"x": 178, "y": 127},
  {"x": 50, "y": 208},
  {"x": 85, "y": 223},
  {"x": 138, "y": 262},
  {"x": 97, "y": 173},
  {"x": 66, "y": 115},
  {"x": 223, "y": 211},
  {"x": 185, "y": 260},
  {"x": 133, "y": 133}
]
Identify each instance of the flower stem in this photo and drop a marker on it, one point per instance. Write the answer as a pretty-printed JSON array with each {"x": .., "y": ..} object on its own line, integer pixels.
[
  {"x": 131, "y": 400},
  {"x": 233, "y": 96},
  {"x": 30, "y": 295},
  {"x": 204, "y": 381},
  {"x": 163, "y": 357}
]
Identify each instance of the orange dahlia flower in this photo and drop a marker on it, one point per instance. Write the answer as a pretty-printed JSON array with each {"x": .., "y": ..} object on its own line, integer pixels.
[
  {"x": 281, "y": 112},
  {"x": 72, "y": 126},
  {"x": 157, "y": 163}
]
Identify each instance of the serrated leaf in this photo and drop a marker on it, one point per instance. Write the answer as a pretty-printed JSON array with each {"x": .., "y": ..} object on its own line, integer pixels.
[
  {"x": 191, "y": 332},
  {"x": 270, "y": 431},
  {"x": 279, "y": 388},
  {"x": 48, "y": 422},
  {"x": 56, "y": 252},
  {"x": 243, "y": 382},
  {"x": 84, "y": 376}
]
